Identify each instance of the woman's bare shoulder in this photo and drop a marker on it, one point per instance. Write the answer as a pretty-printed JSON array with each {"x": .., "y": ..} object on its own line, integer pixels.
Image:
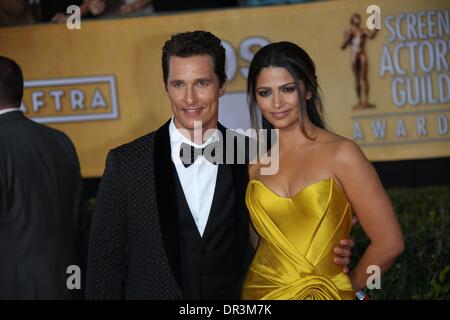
[
  {"x": 253, "y": 170},
  {"x": 341, "y": 149}
]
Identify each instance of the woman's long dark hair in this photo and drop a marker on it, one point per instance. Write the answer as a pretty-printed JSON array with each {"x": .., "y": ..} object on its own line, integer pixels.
[{"x": 297, "y": 62}]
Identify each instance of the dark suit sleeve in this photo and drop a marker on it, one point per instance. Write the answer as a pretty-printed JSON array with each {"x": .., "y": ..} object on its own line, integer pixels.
[
  {"x": 71, "y": 151},
  {"x": 79, "y": 219},
  {"x": 106, "y": 256}
]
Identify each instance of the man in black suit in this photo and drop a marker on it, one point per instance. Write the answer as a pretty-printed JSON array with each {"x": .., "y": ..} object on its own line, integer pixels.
[
  {"x": 40, "y": 191},
  {"x": 164, "y": 227}
]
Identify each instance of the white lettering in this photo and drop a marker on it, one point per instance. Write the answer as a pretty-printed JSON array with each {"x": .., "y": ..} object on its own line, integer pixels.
[
  {"x": 430, "y": 54},
  {"x": 374, "y": 280},
  {"x": 398, "y": 26},
  {"x": 443, "y": 97},
  {"x": 421, "y": 24},
  {"x": 441, "y": 51},
  {"x": 431, "y": 24},
  {"x": 77, "y": 99},
  {"x": 443, "y": 23},
  {"x": 390, "y": 28},
  {"x": 397, "y": 66},
  {"x": 74, "y": 280},
  {"x": 442, "y": 124},
  {"x": 74, "y": 20},
  {"x": 398, "y": 94},
  {"x": 410, "y": 25},
  {"x": 357, "y": 131},
  {"x": 418, "y": 25},
  {"x": 412, "y": 56},
  {"x": 400, "y": 130},
  {"x": 421, "y": 126},
  {"x": 98, "y": 100},
  {"x": 57, "y": 94},
  {"x": 379, "y": 128},
  {"x": 37, "y": 103},
  {"x": 374, "y": 20},
  {"x": 386, "y": 62},
  {"x": 430, "y": 96}
]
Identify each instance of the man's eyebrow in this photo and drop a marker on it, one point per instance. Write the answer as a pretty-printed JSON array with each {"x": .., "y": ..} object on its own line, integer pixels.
[
  {"x": 175, "y": 80},
  {"x": 195, "y": 80},
  {"x": 203, "y": 79}
]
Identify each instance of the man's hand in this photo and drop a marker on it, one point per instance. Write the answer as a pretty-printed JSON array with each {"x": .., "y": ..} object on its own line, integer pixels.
[{"x": 343, "y": 254}]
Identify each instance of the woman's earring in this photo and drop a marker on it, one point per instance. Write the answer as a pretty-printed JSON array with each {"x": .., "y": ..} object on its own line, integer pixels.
[{"x": 308, "y": 96}]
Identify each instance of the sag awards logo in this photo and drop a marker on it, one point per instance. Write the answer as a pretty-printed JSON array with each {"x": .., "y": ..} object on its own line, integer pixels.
[
  {"x": 71, "y": 99},
  {"x": 414, "y": 59}
]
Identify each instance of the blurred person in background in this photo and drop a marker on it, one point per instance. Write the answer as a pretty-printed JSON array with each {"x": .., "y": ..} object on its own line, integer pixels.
[
  {"x": 40, "y": 197},
  {"x": 18, "y": 12}
]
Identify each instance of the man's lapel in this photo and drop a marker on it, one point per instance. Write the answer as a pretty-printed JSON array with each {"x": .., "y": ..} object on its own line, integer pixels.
[
  {"x": 240, "y": 214},
  {"x": 166, "y": 200},
  {"x": 214, "y": 210},
  {"x": 239, "y": 177}
]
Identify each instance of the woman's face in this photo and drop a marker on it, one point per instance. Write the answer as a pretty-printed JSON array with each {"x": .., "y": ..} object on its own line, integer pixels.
[{"x": 277, "y": 97}]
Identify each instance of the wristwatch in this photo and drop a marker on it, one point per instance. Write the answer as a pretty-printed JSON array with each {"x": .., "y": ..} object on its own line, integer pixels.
[{"x": 361, "y": 295}]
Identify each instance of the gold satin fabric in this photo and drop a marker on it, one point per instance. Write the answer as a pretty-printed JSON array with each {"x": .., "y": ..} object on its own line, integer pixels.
[{"x": 294, "y": 258}]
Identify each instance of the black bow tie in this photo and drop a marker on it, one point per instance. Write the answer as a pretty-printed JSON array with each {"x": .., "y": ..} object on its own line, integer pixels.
[{"x": 189, "y": 154}]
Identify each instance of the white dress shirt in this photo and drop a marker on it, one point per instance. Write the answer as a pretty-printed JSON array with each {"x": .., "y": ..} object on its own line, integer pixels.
[
  {"x": 198, "y": 180},
  {"x": 8, "y": 110}
]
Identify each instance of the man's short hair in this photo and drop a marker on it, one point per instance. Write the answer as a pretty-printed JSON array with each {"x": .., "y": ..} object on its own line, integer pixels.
[
  {"x": 193, "y": 43},
  {"x": 11, "y": 83}
]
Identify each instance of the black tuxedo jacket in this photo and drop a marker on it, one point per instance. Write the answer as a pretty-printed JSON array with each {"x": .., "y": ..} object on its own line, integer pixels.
[
  {"x": 134, "y": 249},
  {"x": 40, "y": 192}
]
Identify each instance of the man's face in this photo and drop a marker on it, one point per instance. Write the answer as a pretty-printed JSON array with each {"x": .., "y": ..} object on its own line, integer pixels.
[{"x": 194, "y": 91}]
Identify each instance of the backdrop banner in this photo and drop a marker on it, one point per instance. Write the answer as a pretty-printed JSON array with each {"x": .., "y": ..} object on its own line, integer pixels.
[{"x": 388, "y": 90}]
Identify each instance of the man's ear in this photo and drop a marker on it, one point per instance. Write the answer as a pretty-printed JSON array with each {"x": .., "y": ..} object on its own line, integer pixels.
[{"x": 223, "y": 88}]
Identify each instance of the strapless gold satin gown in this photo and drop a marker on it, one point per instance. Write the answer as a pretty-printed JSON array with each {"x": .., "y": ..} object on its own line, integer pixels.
[{"x": 294, "y": 258}]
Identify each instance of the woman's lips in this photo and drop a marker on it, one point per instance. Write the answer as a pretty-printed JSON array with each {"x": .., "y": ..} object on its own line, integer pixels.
[{"x": 280, "y": 115}]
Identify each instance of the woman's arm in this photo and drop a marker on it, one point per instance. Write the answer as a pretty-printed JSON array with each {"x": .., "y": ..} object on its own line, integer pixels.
[{"x": 373, "y": 209}]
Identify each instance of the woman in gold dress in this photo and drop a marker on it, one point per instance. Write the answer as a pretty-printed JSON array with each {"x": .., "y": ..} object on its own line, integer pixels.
[{"x": 301, "y": 212}]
